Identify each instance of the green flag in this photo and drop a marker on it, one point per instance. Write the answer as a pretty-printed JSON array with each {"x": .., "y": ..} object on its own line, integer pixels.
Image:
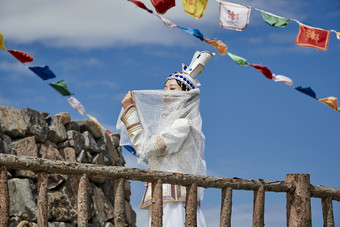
[
  {"x": 238, "y": 60},
  {"x": 274, "y": 20},
  {"x": 61, "y": 87}
]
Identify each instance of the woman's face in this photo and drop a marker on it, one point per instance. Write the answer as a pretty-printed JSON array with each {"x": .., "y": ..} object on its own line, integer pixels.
[{"x": 172, "y": 85}]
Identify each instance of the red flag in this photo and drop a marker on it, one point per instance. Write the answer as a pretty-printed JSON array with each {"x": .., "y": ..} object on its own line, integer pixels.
[
  {"x": 312, "y": 37},
  {"x": 162, "y": 6},
  {"x": 21, "y": 56},
  {"x": 141, "y": 5},
  {"x": 264, "y": 70}
]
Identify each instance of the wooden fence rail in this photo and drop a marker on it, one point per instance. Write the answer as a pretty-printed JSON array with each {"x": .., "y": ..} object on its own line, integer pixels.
[{"x": 297, "y": 187}]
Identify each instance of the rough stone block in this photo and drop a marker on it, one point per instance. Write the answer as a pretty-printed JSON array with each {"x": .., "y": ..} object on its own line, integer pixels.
[
  {"x": 37, "y": 125},
  {"x": 57, "y": 132},
  {"x": 101, "y": 202},
  {"x": 117, "y": 160},
  {"x": 90, "y": 143},
  {"x": 73, "y": 125},
  {"x": 69, "y": 154},
  {"x": 76, "y": 140},
  {"x": 12, "y": 122},
  {"x": 22, "y": 193},
  {"x": 84, "y": 157},
  {"x": 93, "y": 128},
  {"x": 25, "y": 147},
  {"x": 130, "y": 214},
  {"x": 64, "y": 118},
  {"x": 5, "y": 144},
  {"x": 49, "y": 151}
]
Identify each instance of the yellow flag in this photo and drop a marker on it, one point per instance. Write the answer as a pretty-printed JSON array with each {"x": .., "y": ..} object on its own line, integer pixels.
[
  {"x": 330, "y": 101},
  {"x": 195, "y": 8},
  {"x": 219, "y": 45},
  {"x": 338, "y": 35},
  {"x": 2, "y": 43},
  {"x": 95, "y": 121}
]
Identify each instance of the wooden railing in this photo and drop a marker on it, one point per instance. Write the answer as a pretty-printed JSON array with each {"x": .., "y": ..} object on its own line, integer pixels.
[{"x": 297, "y": 186}]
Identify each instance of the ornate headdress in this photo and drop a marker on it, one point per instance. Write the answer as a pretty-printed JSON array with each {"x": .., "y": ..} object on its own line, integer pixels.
[{"x": 188, "y": 74}]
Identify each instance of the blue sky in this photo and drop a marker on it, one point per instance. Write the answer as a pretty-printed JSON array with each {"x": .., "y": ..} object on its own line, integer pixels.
[{"x": 254, "y": 127}]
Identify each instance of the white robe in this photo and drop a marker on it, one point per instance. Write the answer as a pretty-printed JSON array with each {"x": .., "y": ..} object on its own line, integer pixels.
[{"x": 179, "y": 147}]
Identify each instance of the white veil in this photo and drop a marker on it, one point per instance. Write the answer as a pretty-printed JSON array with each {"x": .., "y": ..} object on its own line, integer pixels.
[{"x": 157, "y": 110}]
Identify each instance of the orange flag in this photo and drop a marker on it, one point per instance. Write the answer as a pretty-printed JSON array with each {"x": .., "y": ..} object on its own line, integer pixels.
[
  {"x": 312, "y": 37},
  {"x": 330, "y": 101},
  {"x": 219, "y": 45}
]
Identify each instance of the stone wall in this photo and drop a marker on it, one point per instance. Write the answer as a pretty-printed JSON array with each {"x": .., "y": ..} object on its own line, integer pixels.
[{"x": 30, "y": 133}]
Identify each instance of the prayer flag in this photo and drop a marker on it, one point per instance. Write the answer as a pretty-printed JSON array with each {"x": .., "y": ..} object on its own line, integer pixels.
[
  {"x": 193, "y": 31},
  {"x": 77, "y": 105},
  {"x": 21, "y": 56},
  {"x": 239, "y": 60},
  {"x": 330, "y": 101},
  {"x": 43, "y": 72},
  {"x": 2, "y": 43},
  {"x": 108, "y": 131},
  {"x": 95, "y": 121},
  {"x": 165, "y": 21},
  {"x": 307, "y": 91},
  {"x": 219, "y": 45},
  {"x": 195, "y": 8},
  {"x": 141, "y": 5},
  {"x": 61, "y": 87},
  {"x": 234, "y": 16},
  {"x": 312, "y": 37},
  {"x": 131, "y": 149},
  {"x": 162, "y": 6},
  {"x": 264, "y": 70},
  {"x": 338, "y": 35},
  {"x": 274, "y": 20},
  {"x": 283, "y": 79}
]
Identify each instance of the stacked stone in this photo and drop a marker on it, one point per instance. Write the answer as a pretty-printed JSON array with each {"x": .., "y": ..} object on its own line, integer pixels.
[{"x": 30, "y": 133}]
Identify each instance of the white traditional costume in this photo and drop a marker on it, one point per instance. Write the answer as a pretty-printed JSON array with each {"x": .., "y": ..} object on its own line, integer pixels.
[{"x": 165, "y": 129}]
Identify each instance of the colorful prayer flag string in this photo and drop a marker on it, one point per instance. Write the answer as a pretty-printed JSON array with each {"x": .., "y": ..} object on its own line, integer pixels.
[{"x": 219, "y": 45}]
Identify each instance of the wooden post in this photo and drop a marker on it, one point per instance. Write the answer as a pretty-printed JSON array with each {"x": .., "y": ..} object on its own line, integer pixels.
[
  {"x": 4, "y": 198},
  {"x": 42, "y": 200},
  {"x": 82, "y": 201},
  {"x": 298, "y": 202},
  {"x": 327, "y": 211},
  {"x": 191, "y": 206},
  {"x": 226, "y": 207},
  {"x": 119, "y": 204},
  {"x": 157, "y": 204},
  {"x": 258, "y": 210}
]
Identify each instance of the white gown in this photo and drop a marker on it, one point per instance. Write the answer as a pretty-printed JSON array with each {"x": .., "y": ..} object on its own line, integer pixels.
[{"x": 177, "y": 146}]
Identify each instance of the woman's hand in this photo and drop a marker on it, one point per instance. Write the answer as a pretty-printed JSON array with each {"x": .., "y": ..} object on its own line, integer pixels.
[{"x": 128, "y": 100}]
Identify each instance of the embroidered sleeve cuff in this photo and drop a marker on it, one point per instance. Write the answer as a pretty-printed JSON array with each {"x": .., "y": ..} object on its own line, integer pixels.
[
  {"x": 160, "y": 146},
  {"x": 130, "y": 119}
]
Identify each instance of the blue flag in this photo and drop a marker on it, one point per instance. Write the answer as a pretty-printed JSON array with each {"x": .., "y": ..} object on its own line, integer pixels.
[
  {"x": 131, "y": 149},
  {"x": 43, "y": 72},
  {"x": 307, "y": 91},
  {"x": 193, "y": 31}
]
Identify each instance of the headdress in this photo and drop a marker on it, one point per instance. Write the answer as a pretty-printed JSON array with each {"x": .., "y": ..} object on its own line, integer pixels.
[{"x": 188, "y": 74}]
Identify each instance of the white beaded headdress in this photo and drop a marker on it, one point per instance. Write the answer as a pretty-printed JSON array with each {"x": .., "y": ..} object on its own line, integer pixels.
[{"x": 188, "y": 74}]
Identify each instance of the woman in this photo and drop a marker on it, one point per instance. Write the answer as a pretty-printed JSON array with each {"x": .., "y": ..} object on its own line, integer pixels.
[{"x": 165, "y": 129}]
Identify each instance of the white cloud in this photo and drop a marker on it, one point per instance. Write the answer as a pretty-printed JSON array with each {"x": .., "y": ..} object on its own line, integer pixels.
[{"x": 85, "y": 24}]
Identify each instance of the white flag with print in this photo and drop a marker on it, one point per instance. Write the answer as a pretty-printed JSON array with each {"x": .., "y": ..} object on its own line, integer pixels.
[
  {"x": 234, "y": 16},
  {"x": 77, "y": 105}
]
